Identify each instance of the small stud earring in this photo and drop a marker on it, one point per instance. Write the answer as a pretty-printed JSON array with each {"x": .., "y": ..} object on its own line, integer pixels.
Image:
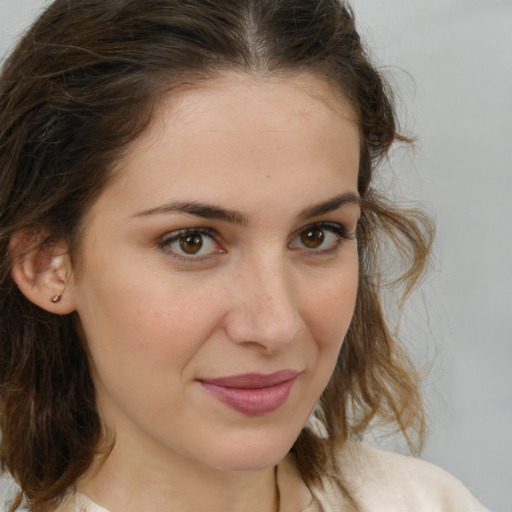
[{"x": 56, "y": 298}]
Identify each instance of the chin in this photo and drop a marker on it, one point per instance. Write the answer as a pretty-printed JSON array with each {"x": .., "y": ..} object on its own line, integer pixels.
[{"x": 250, "y": 454}]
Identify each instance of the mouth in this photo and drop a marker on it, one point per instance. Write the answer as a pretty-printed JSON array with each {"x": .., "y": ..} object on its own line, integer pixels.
[{"x": 253, "y": 394}]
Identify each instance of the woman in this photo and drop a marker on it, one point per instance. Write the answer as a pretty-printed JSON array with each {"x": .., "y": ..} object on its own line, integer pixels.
[{"x": 190, "y": 264}]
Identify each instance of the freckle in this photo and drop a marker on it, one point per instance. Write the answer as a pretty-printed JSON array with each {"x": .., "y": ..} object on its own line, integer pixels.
[{"x": 268, "y": 176}]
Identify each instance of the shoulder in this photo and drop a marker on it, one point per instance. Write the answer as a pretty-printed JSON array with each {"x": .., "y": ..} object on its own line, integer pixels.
[{"x": 381, "y": 481}]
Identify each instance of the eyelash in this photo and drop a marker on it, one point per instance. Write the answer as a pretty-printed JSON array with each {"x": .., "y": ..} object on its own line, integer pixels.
[
  {"x": 338, "y": 230},
  {"x": 167, "y": 240}
]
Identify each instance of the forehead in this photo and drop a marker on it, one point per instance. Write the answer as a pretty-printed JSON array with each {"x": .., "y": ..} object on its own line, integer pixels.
[
  {"x": 241, "y": 133},
  {"x": 301, "y": 94},
  {"x": 240, "y": 103}
]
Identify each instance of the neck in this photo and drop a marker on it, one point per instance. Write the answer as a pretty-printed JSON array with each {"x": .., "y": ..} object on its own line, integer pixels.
[{"x": 129, "y": 482}]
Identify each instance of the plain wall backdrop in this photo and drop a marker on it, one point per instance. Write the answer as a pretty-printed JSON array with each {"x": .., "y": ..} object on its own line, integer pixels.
[{"x": 452, "y": 61}]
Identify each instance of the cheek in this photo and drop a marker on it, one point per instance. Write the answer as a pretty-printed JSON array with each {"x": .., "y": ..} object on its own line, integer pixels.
[
  {"x": 159, "y": 326},
  {"x": 143, "y": 347},
  {"x": 330, "y": 308},
  {"x": 138, "y": 322}
]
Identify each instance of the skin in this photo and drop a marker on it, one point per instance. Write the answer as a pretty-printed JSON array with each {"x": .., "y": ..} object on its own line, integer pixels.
[{"x": 253, "y": 299}]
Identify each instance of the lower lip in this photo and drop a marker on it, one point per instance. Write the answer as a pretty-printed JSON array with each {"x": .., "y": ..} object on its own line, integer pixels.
[{"x": 252, "y": 402}]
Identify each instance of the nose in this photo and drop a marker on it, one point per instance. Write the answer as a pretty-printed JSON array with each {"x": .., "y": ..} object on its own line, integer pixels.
[{"x": 263, "y": 309}]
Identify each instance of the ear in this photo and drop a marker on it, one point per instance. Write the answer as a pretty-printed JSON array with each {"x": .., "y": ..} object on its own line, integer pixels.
[{"x": 42, "y": 273}]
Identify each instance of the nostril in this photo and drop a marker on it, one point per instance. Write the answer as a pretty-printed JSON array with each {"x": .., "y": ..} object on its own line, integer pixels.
[
  {"x": 267, "y": 327},
  {"x": 264, "y": 312},
  {"x": 272, "y": 332}
]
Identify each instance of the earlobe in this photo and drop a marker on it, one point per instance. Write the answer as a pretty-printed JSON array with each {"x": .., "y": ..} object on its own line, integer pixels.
[{"x": 42, "y": 273}]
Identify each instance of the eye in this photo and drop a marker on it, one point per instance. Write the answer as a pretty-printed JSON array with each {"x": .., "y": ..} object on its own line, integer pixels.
[
  {"x": 190, "y": 244},
  {"x": 312, "y": 238},
  {"x": 324, "y": 237}
]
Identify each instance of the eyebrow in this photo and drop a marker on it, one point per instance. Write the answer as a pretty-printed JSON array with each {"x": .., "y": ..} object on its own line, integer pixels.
[
  {"x": 330, "y": 205},
  {"x": 210, "y": 211},
  {"x": 207, "y": 211}
]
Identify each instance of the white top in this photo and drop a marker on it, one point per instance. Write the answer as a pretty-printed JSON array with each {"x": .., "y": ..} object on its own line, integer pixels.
[{"x": 378, "y": 481}]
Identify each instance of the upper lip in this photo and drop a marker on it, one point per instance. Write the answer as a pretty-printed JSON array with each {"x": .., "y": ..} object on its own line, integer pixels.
[{"x": 253, "y": 380}]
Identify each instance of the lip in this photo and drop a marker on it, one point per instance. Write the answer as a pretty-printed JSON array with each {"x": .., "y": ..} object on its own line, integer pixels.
[{"x": 253, "y": 394}]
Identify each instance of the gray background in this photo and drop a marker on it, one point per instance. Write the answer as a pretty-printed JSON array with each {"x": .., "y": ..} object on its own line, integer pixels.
[{"x": 452, "y": 61}]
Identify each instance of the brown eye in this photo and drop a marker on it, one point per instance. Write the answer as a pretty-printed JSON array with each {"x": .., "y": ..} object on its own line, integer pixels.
[
  {"x": 191, "y": 244},
  {"x": 320, "y": 238},
  {"x": 312, "y": 238}
]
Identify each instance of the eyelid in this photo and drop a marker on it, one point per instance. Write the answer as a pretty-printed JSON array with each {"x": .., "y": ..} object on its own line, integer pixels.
[
  {"x": 337, "y": 228},
  {"x": 164, "y": 243}
]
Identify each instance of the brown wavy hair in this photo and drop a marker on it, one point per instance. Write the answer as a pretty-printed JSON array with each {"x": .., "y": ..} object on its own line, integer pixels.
[{"x": 78, "y": 88}]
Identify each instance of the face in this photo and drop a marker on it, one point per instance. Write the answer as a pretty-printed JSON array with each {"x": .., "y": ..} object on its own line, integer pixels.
[{"x": 220, "y": 271}]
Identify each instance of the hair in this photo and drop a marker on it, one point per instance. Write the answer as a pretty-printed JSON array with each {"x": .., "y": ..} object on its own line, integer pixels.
[{"x": 78, "y": 88}]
